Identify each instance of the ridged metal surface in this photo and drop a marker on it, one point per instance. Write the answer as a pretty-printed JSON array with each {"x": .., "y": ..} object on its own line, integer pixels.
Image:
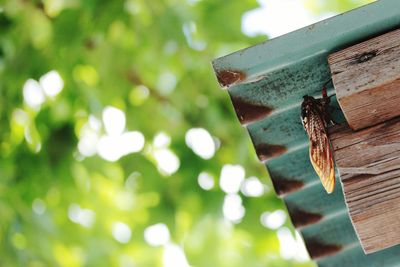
[{"x": 266, "y": 83}]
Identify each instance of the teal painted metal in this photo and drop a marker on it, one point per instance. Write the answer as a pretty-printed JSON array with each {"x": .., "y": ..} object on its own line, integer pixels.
[{"x": 266, "y": 83}]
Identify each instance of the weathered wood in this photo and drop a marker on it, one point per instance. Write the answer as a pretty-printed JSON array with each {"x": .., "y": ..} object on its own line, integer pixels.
[
  {"x": 369, "y": 165},
  {"x": 366, "y": 77}
]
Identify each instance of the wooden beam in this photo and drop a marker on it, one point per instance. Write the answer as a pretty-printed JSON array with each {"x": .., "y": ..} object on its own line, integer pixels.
[
  {"x": 366, "y": 77},
  {"x": 369, "y": 165}
]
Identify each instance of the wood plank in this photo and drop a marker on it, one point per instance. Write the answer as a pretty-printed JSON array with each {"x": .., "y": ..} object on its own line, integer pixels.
[
  {"x": 366, "y": 77},
  {"x": 369, "y": 165}
]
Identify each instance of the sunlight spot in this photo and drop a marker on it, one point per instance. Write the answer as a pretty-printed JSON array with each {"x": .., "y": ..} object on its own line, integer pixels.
[
  {"x": 273, "y": 220},
  {"x": 116, "y": 143},
  {"x": 39, "y": 206},
  {"x": 205, "y": 180},
  {"x": 108, "y": 149},
  {"x": 288, "y": 246},
  {"x": 112, "y": 148},
  {"x": 51, "y": 83},
  {"x": 302, "y": 253},
  {"x": 114, "y": 120},
  {"x": 231, "y": 178},
  {"x": 161, "y": 140},
  {"x": 88, "y": 140},
  {"x": 94, "y": 123},
  {"x": 201, "y": 142},
  {"x": 121, "y": 232},
  {"x": 232, "y": 208},
  {"x": 33, "y": 94},
  {"x": 167, "y": 162},
  {"x": 89, "y": 137},
  {"x": 174, "y": 256},
  {"x": 157, "y": 235},
  {"x": 131, "y": 142},
  {"x": 275, "y": 18},
  {"x": 84, "y": 217},
  {"x": 252, "y": 187},
  {"x": 166, "y": 83}
]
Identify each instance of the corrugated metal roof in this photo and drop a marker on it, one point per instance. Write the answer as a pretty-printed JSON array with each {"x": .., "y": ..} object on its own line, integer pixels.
[{"x": 266, "y": 83}]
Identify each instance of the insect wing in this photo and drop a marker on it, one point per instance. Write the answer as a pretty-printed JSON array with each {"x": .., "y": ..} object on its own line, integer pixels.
[{"x": 320, "y": 149}]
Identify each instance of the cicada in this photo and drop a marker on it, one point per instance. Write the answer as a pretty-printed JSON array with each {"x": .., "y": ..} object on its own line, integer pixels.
[{"x": 316, "y": 118}]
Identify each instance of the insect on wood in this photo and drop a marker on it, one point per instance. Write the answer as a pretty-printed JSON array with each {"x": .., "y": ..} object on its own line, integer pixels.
[{"x": 316, "y": 118}]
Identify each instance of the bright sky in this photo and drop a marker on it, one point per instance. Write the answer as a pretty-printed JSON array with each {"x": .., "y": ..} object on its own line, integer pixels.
[{"x": 277, "y": 17}]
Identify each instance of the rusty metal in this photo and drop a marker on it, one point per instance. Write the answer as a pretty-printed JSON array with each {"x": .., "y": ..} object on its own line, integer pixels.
[
  {"x": 248, "y": 112},
  {"x": 268, "y": 151},
  {"x": 229, "y": 77},
  {"x": 284, "y": 186},
  {"x": 301, "y": 218},
  {"x": 266, "y": 84},
  {"x": 318, "y": 250}
]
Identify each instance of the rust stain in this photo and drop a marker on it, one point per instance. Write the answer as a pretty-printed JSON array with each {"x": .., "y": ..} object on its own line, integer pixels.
[
  {"x": 302, "y": 218},
  {"x": 267, "y": 151},
  {"x": 319, "y": 250},
  {"x": 249, "y": 112},
  {"x": 285, "y": 186},
  {"x": 229, "y": 77}
]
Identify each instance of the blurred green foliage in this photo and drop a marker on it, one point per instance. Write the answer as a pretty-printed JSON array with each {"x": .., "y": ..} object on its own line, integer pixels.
[{"x": 150, "y": 59}]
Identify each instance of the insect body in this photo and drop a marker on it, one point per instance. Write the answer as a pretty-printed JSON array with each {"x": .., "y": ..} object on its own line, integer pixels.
[{"x": 315, "y": 119}]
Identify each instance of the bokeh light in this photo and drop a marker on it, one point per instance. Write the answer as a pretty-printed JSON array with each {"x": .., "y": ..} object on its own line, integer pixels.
[
  {"x": 232, "y": 208},
  {"x": 157, "y": 234},
  {"x": 231, "y": 178},
  {"x": 252, "y": 187},
  {"x": 118, "y": 147},
  {"x": 51, "y": 83},
  {"x": 201, "y": 142},
  {"x": 205, "y": 180},
  {"x": 273, "y": 220},
  {"x": 121, "y": 232},
  {"x": 33, "y": 94}
]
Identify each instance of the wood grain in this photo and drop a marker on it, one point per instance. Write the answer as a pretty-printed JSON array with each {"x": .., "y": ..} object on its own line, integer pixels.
[
  {"x": 366, "y": 77},
  {"x": 369, "y": 165}
]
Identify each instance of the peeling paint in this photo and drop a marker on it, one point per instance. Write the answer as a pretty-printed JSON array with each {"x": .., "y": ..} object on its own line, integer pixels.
[
  {"x": 227, "y": 78},
  {"x": 248, "y": 112},
  {"x": 319, "y": 250},
  {"x": 268, "y": 151}
]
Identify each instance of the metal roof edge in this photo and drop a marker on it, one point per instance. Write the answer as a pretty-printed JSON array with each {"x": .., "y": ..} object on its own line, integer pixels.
[{"x": 246, "y": 64}]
